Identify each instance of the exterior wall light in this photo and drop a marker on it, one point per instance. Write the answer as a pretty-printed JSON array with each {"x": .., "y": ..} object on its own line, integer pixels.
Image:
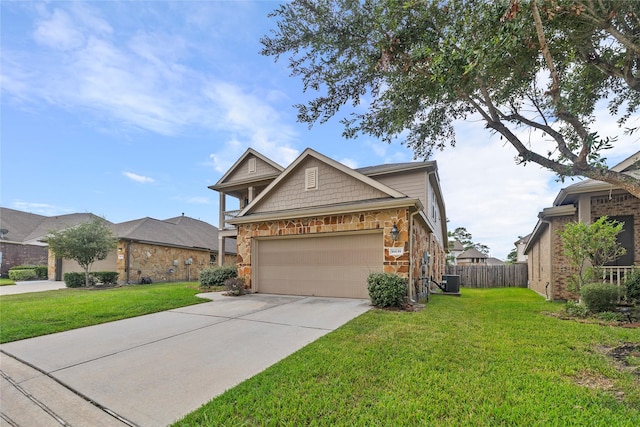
[{"x": 395, "y": 232}]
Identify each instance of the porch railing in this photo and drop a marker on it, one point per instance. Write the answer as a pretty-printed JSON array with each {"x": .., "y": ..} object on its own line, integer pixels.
[
  {"x": 230, "y": 215},
  {"x": 616, "y": 274}
]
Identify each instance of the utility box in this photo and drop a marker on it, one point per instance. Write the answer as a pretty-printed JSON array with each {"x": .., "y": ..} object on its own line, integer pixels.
[{"x": 451, "y": 283}]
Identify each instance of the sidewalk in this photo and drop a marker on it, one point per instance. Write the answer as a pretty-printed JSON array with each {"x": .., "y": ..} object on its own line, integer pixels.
[{"x": 31, "y": 286}]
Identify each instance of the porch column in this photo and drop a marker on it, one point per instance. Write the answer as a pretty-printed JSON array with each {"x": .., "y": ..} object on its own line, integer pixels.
[{"x": 251, "y": 194}]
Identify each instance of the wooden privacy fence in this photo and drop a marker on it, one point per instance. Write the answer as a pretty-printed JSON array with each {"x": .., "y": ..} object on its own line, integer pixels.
[{"x": 490, "y": 276}]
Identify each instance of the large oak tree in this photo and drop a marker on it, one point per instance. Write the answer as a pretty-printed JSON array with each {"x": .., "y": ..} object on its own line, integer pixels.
[{"x": 541, "y": 66}]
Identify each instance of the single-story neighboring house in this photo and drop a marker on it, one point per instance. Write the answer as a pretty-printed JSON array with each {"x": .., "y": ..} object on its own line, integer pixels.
[
  {"x": 318, "y": 227},
  {"x": 163, "y": 250},
  {"x": 21, "y": 236},
  {"x": 586, "y": 201}
]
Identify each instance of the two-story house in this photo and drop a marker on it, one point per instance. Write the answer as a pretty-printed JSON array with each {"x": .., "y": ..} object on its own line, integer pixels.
[{"x": 318, "y": 227}]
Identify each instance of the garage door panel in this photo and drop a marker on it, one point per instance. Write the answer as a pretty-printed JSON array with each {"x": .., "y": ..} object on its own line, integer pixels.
[{"x": 321, "y": 266}]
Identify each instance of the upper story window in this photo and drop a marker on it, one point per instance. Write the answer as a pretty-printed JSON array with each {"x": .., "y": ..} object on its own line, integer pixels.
[
  {"x": 252, "y": 165},
  {"x": 311, "y": 178}
]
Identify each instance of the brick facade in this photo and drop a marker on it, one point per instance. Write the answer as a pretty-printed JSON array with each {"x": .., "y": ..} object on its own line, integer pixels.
[
  {"x": 547, "y": 262},
  {"x": 620, "y": 205},
  {"x": 14, "y": 254},
  {"x": 373, "y": 220}
]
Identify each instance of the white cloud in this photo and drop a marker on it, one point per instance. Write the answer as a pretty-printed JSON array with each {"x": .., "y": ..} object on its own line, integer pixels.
[
  {"x": 138, "y": 178},
  {"x": 58, "y": 32},
  {"x": 349, "y": 163},
  {"x": 45, "y": 209}
]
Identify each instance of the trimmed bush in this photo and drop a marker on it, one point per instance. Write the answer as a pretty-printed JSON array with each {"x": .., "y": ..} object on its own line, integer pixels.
[
  {"x": 600, "y": 297},
  {"x": 41, "y": 270},
  {"x": 106, "y": 277},
  {"x": 632, "y": 287},
  {"x": 26, "y": 274},
  {"x": 386, "y": 290},
  {"x": 576, "y": 310},
  {"x": 235, "y": 286},
  {"x": 76, "y": 280},
  {"x": 215, "y": 276}
]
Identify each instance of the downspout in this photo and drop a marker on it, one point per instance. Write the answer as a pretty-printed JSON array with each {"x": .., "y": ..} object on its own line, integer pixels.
[{"x": 546, "y": 288}]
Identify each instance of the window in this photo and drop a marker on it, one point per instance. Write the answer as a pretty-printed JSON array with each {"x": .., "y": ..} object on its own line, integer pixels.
[
  {"x": 625, "y": 239},
  {"x": 311, "y": 179}
]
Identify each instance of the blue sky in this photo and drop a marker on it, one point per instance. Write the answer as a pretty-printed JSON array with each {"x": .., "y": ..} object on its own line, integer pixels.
[{"x": 132, "y": 109}]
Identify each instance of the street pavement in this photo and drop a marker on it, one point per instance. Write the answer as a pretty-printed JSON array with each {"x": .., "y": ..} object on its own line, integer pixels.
[{"x": 152, "y": 370}]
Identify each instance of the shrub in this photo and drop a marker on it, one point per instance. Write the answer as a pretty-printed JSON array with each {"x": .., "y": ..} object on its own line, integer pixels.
[
  {"x": 235, "y": 286},
  {"x": 610, "y": 316},
  {"x": 575, "y": 309},
  {"x": 26, "y": 274},
  {"x": 599, "y": 297},
  {"x": 76, "y": 280},
  {"x": 215, "y": 276},
  {"x": 41, "y": 270},
  {"x": 106, "y": 277},
  {"x": 386, "y": 290},
  {"x": 632, "y": 286}
]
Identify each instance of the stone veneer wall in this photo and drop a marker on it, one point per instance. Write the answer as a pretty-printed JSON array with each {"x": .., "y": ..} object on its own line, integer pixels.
[
  {"x": 373, "y": 220},
  {"x": 620, "y": 205},
  {"x": 156, "y": 262}
]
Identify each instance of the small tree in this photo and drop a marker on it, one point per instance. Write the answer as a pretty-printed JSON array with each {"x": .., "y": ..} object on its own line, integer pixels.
[
  {"x": 589, "y": 247},
  {"x": 84, "y": 243}
]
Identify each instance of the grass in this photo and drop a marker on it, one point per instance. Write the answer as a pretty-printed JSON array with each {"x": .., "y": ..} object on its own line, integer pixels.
[
  {"x": 6, "y": 282},
  {"x": 41, "y": 313},
  {"x": 489, "y": 358}
]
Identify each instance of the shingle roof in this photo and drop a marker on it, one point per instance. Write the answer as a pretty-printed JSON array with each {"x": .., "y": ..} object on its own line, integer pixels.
[
  {"x": 180, "y": 231},
  {"x": 471, "y": 253},
  {"x": 393, "y": 167},
  {"x": 25, "y": 227}
]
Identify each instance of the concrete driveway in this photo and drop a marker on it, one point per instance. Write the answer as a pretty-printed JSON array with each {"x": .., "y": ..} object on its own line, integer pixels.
[{"x": 154, "y": 369}]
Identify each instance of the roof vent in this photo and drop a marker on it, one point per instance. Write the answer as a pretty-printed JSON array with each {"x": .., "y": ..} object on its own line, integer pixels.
[{"x": 311, "y": 178}]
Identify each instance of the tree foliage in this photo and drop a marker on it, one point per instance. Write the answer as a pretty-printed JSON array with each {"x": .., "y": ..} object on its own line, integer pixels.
[
  {"x": 590, "y": 246},
  {"x": 85, "y": 243},
  {"x": 541, "y": 66},
  {"x": 466, "y": 239}
]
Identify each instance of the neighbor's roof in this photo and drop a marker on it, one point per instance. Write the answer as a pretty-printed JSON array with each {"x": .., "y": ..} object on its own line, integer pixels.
[
  {"x": 180, "y": 231},
  {"x": 25, "y": 227},
  {"x": 471, "y": 253}
]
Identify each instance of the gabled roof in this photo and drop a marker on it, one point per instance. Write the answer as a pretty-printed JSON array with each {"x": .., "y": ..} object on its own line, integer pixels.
[
  {"x": 394, "y": 194},
  {"x": 250, "y": 152}
]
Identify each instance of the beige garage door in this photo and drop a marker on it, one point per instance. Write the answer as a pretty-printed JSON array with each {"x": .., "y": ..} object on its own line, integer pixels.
[{"x": 333, "y": 265}]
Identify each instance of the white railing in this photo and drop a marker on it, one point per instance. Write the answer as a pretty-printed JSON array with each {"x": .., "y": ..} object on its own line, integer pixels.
[
  {"x": 616, "y": 274},
  {"x": 230, "y": 215}
]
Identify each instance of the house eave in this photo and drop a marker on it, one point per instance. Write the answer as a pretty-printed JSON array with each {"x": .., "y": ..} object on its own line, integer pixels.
[{"x": 328, "y": 210}]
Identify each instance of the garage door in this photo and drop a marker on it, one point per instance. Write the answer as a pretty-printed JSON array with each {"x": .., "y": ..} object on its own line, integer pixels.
[{"x": 333, "y": 265}]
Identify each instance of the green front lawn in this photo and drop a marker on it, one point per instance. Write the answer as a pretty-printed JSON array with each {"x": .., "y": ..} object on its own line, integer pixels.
[
  {"x": 489, "y": 358},
  {"x": 6, "y": 282},
  {"x": 40, "y": 313}
]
